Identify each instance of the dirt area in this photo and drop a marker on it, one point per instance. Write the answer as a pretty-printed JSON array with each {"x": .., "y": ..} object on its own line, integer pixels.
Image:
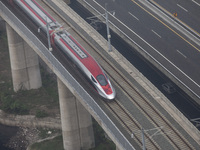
[{"x": 23, "y": 138}]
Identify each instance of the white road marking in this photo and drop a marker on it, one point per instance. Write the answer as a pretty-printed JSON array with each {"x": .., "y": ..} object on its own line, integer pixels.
[
  {"x": 181, "y": 53},
  {"x": 182, "y": 7},
  {"x": 133, "y": 16},
  {"x": 156, "y": 33},
  {"x": 155, "y": 51},
  {"x": 196, "y": 2}
]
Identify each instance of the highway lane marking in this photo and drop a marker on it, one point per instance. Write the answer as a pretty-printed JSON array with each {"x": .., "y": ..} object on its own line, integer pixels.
[
  {"x": 156, "y": 33},
  {"x": 167, "y": 26},
  {"x": 181, "y": 54},
  {"x": 154, "y": 49},
  {"x": 162, "y": 54},
  {"x": 182, "y": 7},
  {"x": 196, "y": 2},
  {"x": 166, "y": 11},
  {"x": 133, "y": 16}
]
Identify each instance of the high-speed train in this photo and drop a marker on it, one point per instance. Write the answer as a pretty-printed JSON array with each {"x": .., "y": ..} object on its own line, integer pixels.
[{"x": 70, "y": 47}]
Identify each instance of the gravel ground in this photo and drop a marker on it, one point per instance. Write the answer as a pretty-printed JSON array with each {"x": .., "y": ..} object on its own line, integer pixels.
[{"x": 23, "y": 138}]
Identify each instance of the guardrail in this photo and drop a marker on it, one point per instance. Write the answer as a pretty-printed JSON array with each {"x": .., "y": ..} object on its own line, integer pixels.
[
  {"x": 185, "y": 123},
  {"x": 153, "y": 58},
  {"x": 66, "y": 77}
]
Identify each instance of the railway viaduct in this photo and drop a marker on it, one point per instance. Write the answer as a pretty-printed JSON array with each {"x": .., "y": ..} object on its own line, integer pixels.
[
  {"x": 76, "y": 105},
  {"x": 24, "y": 50}
]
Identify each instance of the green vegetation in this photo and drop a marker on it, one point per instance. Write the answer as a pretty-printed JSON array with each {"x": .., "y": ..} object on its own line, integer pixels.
[
  {"x": 39, "y": 101},
  {"x": 41, "y": 114},
  {"x": 101, "y": 142},
  {"x": 107, "y": 145},
  {"x": 12, "y": 106}
]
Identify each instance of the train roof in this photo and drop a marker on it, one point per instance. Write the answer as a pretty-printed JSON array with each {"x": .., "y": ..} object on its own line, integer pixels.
[
  {"x": 38, "y": 11},
  {"x": 83, "y": 56}
]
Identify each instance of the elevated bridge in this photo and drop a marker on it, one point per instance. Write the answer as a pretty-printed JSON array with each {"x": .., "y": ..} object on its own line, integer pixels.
[{"x": 138, "y": 103}]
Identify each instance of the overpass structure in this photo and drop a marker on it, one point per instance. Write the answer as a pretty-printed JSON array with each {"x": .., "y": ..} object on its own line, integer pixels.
[
  {"x": 25, "y": 48},
  {"x": 137, "y": 22}
]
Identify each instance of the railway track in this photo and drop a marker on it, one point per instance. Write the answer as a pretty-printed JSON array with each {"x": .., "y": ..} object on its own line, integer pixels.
[
  {"x": 153, "y": 115},
  {"x": 170, "y": 133},
  {"x": 127, "y": 120}
]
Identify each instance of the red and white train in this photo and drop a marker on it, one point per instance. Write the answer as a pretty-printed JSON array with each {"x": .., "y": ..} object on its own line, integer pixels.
[{"x": 70, "y": 47}]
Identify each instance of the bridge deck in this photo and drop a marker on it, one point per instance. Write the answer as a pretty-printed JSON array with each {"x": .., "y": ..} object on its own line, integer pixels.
[{"x": 149, "y": 91}]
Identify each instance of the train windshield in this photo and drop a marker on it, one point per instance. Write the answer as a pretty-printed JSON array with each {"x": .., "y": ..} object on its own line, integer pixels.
[{"x": 102, "y": 80}]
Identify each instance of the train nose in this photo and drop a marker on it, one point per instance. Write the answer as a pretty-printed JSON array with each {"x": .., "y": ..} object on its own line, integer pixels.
[
  {"x": 112, "y": 95},
  {"x": 108, "y": 90}
]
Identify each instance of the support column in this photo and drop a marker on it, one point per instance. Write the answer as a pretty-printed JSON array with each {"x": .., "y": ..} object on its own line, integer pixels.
[
  {"x": 76, "y": 121},
  {"x": 24, "y": 63},
  {"x": 2, "y": 25},
  {"x": 70, "y": 129},
  {"x": 86, "y": 128},
  {"x": 117, "y": 148}
]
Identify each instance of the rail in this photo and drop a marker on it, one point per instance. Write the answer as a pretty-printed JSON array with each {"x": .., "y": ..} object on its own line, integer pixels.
[
  {"x": 171, "y": 109},
  {"x": 65, "y": 76}
]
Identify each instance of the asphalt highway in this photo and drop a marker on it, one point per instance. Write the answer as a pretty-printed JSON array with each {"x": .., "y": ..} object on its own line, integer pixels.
[
  {"x": 170, "y": 48},
  {"x": 188, "y": 11}
]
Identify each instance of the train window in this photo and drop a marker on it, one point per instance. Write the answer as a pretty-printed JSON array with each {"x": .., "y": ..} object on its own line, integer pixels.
[
  {"x": 93, "y": 79},
  {"x": 54, "y": 27},
  {"x": 102, "y": 80}
]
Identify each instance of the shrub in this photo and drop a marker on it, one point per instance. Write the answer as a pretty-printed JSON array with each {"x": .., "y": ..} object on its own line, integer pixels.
[
  {"x": 41, "y": 114},
  {"x": 8, "y": 104}
]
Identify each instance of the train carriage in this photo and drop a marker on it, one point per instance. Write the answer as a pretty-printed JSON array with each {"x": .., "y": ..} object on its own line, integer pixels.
[
  {"x": 37, "y": 14},
  {"x": 61, "y": 38}
]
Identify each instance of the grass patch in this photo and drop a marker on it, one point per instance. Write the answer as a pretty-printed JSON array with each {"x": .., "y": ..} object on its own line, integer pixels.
[
  {"x": 106, "y": 145},
  {"x": 41, "y": 114},
  {"x": 101, "y": 142},
  {"x": 8, "y": 104}
]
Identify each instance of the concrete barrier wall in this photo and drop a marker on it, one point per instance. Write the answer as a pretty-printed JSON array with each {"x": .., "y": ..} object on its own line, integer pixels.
[
  {"x": 86, "y": 100},
  {"x": 93, "y": 37}
]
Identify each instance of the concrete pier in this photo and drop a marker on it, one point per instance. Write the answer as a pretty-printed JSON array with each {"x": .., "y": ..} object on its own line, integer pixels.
[
  {"x": 24, "y": 63},
  {"x": 2, "y": 25},
  {"x": 86, "y": 128},
  {"x": 76, "y": 121}
]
